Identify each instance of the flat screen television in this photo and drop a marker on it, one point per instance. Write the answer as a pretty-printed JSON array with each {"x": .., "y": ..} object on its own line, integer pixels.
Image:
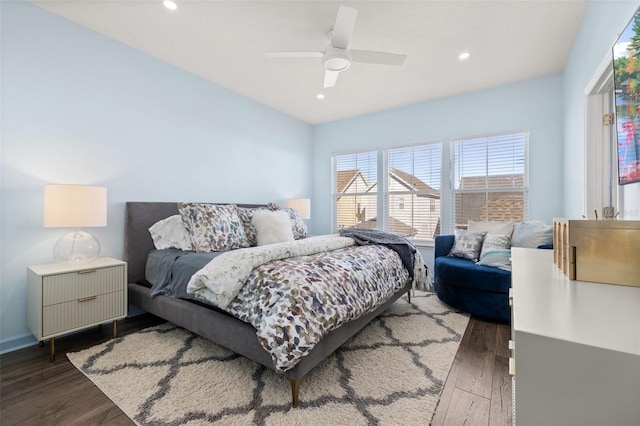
[{"x": 626, "y": 70}]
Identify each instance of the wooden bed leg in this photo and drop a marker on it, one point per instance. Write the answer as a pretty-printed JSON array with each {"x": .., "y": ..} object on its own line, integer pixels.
[
  {"x": 409, "y": 295},
  {"x": 295, "y": 389}
]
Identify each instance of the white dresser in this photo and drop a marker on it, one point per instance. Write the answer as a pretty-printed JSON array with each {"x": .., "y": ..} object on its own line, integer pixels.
[
  {"x": 62, "y": 298},
  {"x": 576, "y": 346}
]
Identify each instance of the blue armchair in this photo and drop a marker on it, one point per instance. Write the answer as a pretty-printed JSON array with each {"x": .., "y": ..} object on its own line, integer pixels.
[{"x": 479, "y": 290}]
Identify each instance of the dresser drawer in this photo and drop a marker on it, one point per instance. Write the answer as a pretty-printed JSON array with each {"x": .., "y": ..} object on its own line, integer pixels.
[
  {"x": 76, "y": 285},
  {"x": 81, "y": 312}
]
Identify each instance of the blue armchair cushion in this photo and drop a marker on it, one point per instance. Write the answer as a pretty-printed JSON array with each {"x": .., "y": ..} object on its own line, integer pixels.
[{"x": 465, "y": 274}]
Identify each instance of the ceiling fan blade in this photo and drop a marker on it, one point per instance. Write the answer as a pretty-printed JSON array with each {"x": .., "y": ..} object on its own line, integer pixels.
[
  {"x": 343, "y": 28},
  {"x": 372, "y": 57},
  {"x": 293, "y": 54},
  {"x": 330, "y": 78}
]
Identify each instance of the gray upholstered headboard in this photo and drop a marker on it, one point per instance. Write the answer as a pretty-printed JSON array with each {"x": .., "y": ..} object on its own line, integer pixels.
[{"x": 139, "y": 216}]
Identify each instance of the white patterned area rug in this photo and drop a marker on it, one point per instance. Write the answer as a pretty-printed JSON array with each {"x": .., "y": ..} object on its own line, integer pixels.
[{"x": 391, "y": 372}]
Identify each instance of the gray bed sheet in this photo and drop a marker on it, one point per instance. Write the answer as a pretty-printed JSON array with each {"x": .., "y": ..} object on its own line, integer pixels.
[{"x": 169, "y": 271}]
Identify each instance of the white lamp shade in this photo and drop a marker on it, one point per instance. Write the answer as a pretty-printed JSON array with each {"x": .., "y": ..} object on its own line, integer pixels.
[
  {"x": 301, "y": 205},
  {"x": 74, "y": 206}
]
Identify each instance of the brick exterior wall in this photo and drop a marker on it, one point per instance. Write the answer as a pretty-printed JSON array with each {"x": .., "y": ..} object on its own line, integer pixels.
[{"x": 502, "y": 205}]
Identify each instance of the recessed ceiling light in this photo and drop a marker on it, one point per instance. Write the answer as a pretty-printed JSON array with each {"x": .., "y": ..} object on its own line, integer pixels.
[
  {"x": 320, "y": 96},
  {"x": 464, "y": 56},
  {"x": 169, "y": 4}
]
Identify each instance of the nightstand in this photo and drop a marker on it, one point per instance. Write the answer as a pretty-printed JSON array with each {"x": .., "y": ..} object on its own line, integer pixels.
[{"x": 66, "y": 297}]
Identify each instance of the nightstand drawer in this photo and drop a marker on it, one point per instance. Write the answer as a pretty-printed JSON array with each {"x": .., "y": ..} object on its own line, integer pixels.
[
  {"x": 81, "y": 284},
  {"x": 81, "y": 312}
]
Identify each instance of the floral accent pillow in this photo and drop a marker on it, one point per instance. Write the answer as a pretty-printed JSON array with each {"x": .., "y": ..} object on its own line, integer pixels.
[
  {"x": 467, "y": 244},
  {"x": 213, "y": 227},
  {"x": 246, "y": 214},
  {"x": 298, "y": 226}
]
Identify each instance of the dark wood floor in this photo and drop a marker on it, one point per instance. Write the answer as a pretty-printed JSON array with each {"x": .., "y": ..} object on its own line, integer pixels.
[
  {"x": 478, "y": 389},
  {"x": 34, "y": 391}
]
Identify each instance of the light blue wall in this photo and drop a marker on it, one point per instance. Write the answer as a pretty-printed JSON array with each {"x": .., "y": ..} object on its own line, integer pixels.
[
  {"x": 80, "y": 108},
  {"x": 601, "y": 26},
  {"x": 534, "y": 105}
]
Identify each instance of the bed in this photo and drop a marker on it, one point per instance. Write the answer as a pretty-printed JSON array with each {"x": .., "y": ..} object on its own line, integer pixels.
[{"x": 215, "y": 324}]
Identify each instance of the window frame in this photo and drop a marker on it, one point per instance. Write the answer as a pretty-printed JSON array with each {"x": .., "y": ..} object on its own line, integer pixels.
[
  {"x": 387, "y": 193},
  {"x": 452, "y": 175},
  {"x": 335, "y": 194},
  {"x": 382, "y": 185},
  {"x": 447, "y": 181}
]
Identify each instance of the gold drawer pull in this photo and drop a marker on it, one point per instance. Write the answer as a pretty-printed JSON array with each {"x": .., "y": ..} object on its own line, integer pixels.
[
  {"x": 88, "y": 271},
  {"x": 86, "y": 299}
]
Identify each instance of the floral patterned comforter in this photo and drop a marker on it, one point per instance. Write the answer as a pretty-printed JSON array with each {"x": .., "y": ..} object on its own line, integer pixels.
[
  {"x": 220, "y": 281},
  {"x": 293, "y": 302}
]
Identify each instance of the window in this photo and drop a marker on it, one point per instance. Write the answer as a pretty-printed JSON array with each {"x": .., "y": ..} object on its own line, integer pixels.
[
  {"x": 485, "y": 180},
  {"x": 489, "y": 179},
  {"x": 412, "y": 192},
  {"x": 356, "y": 198}
]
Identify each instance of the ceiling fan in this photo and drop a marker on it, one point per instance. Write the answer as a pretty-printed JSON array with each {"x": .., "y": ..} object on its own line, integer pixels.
[{"x": 337, "y": 57}]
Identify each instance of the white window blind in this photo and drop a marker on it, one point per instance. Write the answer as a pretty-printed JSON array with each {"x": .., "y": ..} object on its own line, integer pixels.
[
  {"x": 355, "y": 186},
  {"x": 489, "y": 178},
  {"x": 412, "y": 197}
]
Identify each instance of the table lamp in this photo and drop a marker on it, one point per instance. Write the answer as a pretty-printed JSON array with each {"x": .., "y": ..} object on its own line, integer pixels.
[
  {"x": 301, "y": 205},
  {"x": 75, "y": 206}
]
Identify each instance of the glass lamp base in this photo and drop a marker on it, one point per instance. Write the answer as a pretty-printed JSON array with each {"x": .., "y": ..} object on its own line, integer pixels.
[{"x": 76, "y": 247}]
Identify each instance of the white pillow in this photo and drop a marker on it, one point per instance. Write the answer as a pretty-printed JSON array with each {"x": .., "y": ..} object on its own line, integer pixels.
[
  {"x": 492, "y": 227},
  {"x": 170, "y": 233},
  {"x": 272, "y": 226}
]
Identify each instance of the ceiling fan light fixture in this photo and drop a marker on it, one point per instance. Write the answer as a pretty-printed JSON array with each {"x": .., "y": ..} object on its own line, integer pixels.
[
  {"x": 336, "y": 59},
  {"x": 337, "y": 64}
]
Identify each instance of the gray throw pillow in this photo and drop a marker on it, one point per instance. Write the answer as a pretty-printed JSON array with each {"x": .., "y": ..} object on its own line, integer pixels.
[{"x": 467, "y": 244}]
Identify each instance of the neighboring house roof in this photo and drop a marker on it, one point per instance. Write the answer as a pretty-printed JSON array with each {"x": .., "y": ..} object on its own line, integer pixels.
[
  {"x": 398, "y": 226},
  {"x": 344, "y": 179},
  {"x": 411, "y": 182}
]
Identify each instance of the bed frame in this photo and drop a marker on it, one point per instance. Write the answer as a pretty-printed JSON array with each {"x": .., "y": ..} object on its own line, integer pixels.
[{"x": 230, "y": 332}]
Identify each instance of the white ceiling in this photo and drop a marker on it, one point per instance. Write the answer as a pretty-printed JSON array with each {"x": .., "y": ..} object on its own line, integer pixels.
[{"x": 224, "y": 41}]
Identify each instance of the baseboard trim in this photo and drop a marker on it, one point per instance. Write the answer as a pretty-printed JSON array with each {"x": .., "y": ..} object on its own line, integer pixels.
[
  {"x": 25, "y": 340},
  {"x": 17, "y": 342}
]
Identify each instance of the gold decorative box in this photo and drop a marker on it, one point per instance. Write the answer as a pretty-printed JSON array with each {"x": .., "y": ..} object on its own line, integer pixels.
[{"x": 602, "y": 251}]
